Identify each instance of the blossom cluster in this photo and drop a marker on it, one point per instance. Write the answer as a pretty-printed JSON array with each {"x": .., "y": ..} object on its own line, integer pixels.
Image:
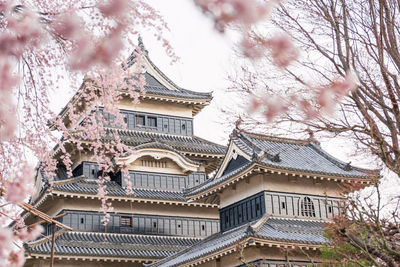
[
  {"x": 38, "y": 37},
  {"x": 323, "y": 102}
]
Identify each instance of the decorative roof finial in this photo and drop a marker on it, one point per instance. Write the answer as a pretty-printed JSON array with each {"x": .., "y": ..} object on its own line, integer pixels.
[
  {"x": 311, "y": 137},
  {"x": 348, "y": 167},
  {"x": 276, "y": 158},
  {"x": 141, "y": 45}
]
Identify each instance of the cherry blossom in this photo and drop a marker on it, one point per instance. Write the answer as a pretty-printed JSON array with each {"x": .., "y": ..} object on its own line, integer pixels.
[
  {"x": 282, "y": 50},
  {"x": 72, "y": 36}
]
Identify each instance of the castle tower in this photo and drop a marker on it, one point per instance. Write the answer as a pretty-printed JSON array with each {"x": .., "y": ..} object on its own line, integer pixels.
[
  {"x": 275, "y": 195},
  {"x": 156, "y": 220}
]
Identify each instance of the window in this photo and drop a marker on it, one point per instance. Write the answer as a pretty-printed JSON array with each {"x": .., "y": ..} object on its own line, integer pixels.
[
  {"x": 126, "y": 221},
  {"x": 203, "y": 227},
  {"x": 283, "y": 205},
  {"x": 307, "y": 207},
  {"x": 330, "y": 209},
  {"x": 152, "y": 121},
  {"x": 140, "y": 120},
  {"x": 183, "y": 127},
  {"x": 154, "y": 224},
  {"x": 241, "y": 212},
  {"x": 82, "y": 220}
]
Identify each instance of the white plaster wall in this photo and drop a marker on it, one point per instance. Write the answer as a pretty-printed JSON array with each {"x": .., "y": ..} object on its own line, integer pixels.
[
  {"x": 279, "y": 183},
  {"x": 158, "y": 107}
]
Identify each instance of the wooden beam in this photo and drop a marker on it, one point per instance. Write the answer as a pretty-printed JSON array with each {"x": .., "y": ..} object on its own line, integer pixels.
[{"x": 53, "y": 241}]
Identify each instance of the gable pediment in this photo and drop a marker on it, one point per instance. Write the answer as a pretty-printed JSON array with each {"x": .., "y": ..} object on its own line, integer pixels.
[{"x": 158, "y": 154}]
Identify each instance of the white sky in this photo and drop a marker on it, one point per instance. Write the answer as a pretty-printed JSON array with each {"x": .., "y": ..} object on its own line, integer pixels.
[{"x": 205, "y": 57}]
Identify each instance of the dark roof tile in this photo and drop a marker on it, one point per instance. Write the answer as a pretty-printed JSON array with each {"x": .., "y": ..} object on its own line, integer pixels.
[
  {"x": 279, "y": 229},
  {"x": 113, "y": 245}
]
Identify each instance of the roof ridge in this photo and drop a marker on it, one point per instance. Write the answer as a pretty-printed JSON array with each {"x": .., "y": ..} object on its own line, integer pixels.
[
  {"x": 341, "y": 164},
  {"x": 276, "y": 138},
  {"x": 69, "y": 180},
  {"x": 145, "y": 53}
]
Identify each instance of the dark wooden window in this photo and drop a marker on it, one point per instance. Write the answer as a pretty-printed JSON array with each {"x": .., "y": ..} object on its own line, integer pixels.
[
  {"x": 126, "y": 221},
  {"x": 140, "y": 120},
  {"x": 242, "y": 212},
  {"x": 152, "y": 122},
  {"x": 307, "y": 207}
]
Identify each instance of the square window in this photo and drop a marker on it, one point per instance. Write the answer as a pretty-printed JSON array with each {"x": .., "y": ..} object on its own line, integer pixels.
[
  {"x": 126, "y": 221},
  {"x": 140, "y": 120},
  {"x": 152, "y": 121}
]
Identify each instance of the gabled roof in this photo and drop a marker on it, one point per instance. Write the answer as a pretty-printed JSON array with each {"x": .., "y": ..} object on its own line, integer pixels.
[
  {"x": 277, "y": 155},
  {"x": 266, "y": 231},
  {"x": 299, "y": 155},
  {"x": 128, "y": 246},
  {"x": 158, "y": 84}
]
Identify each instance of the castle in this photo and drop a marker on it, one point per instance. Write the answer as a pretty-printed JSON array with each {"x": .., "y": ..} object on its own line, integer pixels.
[{"x": 266, "y": 194}]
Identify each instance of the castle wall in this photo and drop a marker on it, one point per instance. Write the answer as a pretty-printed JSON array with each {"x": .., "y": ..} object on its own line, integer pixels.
[
  {"x": 278, "y": 183},
  {"x": 56, "y": 205},
  {"x": 157, "y": 107}
]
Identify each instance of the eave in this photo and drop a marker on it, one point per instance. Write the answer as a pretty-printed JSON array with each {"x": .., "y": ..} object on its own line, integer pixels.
[
  {"x": 250, "y": 242},
  {"x": 89, "y": 258},
  {"x": 258, "y": 168}
]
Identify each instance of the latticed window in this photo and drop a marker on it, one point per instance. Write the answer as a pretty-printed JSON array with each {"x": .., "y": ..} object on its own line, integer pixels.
[
  {"x": 126, "y": 221},
  {"x": 307, "y": 207},
  {"x": 152, "y": 121}
]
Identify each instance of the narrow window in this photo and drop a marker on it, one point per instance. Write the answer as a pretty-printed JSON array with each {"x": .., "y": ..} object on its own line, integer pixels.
[
  {"x": 154, "y": 224},
  {"x": 140, "y": 120},
  {"x": 152, "y": 121},
  {"x": 203, "y": 227},
  {"x": 283, "y": 205},
  {"x": 126, "y": 221},
  {"x": 329, "y": 209},
  {"x": 82, "y": 220},
  {"x": 183, "y": 126},
  {"x": 307, "y": 207}
]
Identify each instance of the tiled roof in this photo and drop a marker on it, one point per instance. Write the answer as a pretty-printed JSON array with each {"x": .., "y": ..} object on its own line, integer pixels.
[
  {"x": 294, "y": 155},
  {"x": 298, "y": 155},
  {"x": 180, "y": 143},
  {"x": 154, "y": 87},
  {"x": 210, "y": 183},
  {"x": 89, "y": 186},
  {"x": 112, "y": 245},
  {"x": 274, "y": 229}
]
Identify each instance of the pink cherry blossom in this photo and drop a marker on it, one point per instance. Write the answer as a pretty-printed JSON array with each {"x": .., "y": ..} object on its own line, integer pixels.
[
  {"x": 275, "y": 106},
  {"x": 26, "y": 234},
  {"x": 16, "y": 258},
  {"x": 6, "y": 243},
  {"x": 113, "y": 7},
  {"x": 282, "y": 50},
  {"x": 21, "y": 187}
]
